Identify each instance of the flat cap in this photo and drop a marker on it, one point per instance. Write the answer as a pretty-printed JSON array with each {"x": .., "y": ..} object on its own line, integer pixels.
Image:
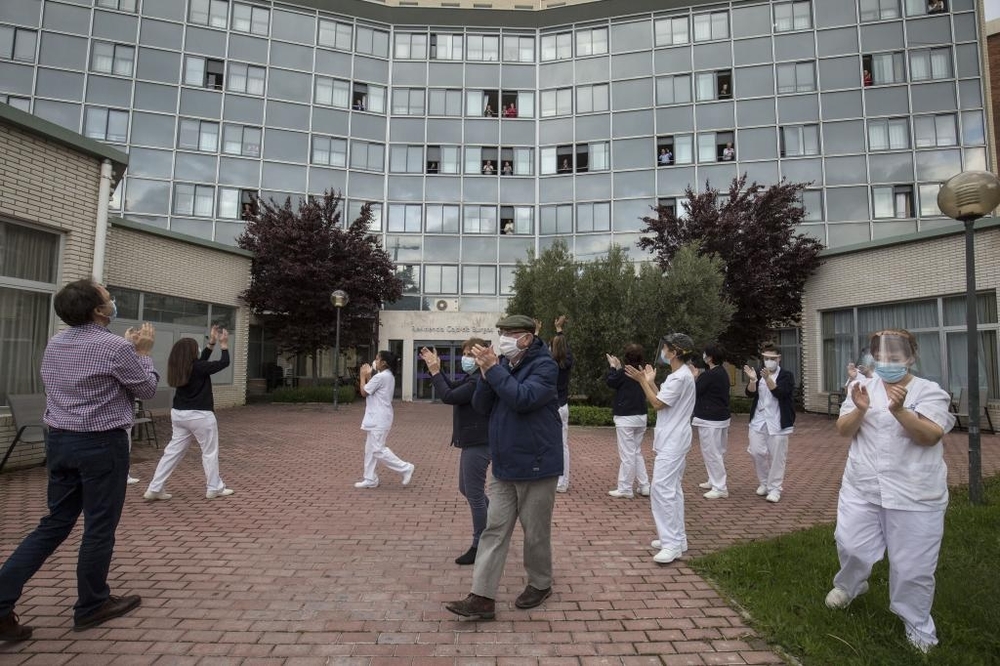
[{"x": 516, "y": 322}]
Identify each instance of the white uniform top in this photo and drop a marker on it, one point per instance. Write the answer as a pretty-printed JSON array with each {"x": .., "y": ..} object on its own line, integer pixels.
[
  {"x": 673, "y": 422},
  {"x": 378, "y": 402},
  {"x": 885, "y": 466},
  {"x": 767, "y": 417}
]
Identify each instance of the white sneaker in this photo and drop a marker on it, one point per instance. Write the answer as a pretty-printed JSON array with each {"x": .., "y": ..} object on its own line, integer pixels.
[
  {"x": 644, "y": 490},
  {"x": 561, "y": 489},
  {"x": 716, "y": 494},
  {"x": 667, "y": 555},
  {"x": 838, "y": 598},
  {"x": 131, "y": 480},
  {"x": 620, "y": 495},
  {"x": 225, "y": 492},
  {"x": 655, "y": 545},
  {"x": 156, "y": 495},
  {"x": 774, "y": 496},
  {"x": 366, "y": 484},
  {"x": 407, "y": 475},
  {"x": 761, "y": 490},
  {"x": 706, "y": 485}
]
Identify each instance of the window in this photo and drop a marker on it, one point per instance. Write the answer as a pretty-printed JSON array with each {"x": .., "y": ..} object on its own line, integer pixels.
[
  {"x": 883, "y": 68},
  {"x": 22, "y": 103},
  {"x": 441, "y": 279},
  {"x": 17, "y": 44},
  {"x": 251, "y": 18},
  {"x": 878, "y": 10},
  {"x": 369, "y": 41},
  {"x": 713, "y": 25},
  {"x": 892, "y": 201},
  {"x": 335, "y": 34},
  {"x": 812, "y": 204},
  {"x": 558, "y": 102},
  {"x": 411, "y": 46},
  {"x": 792, "y": 16},
  {"x": 481, "y": 159},
  {"x": 516, "y": 220},
  {"x": 406, "y": 159},
  {"x": 209, "y": 12},
  {"x": 517, "y": 48},
  {"x": 237, "y": 204},
  {"x": 444, "y": 102},
  {"x": 196, "y": 200},
  {"x": 368, "y": 98},
  {"x": 675, "y": 206},
  {"x": 444, "y": 159},
  {"x": 593, "y": 156},
  {"x": 106, "y": 124},
  {"x": 408, "y": 101},
  {"x": 446, "y": 47},
  {"x": 404, "y": 218},
  {"x": 592, "y": 99},
  {"x": 479, "y": 279},
  {"x": 329, "y": 151},
  {"x": 918, "y": 7},
  {"x": 673, "y": 89},
  {"x": 888, "y": 134},
  {"x": 332, "y": 92},
  {"x": 714, "y": 85},
  {"x": 367, "y": 155},
  {"x": 928, "y": 199},
  {"x": 928, "y": 64},
  {"x": 198, "y": 135},
  {"x": 483, "y": 103},
  {"x": 556, "y": 219},
  {"x": 120, "y": 5},
  {"x": 479, "y": 220},
  {"x": 241, "y": 140},
  {"x": 557, "y": 47},
  {"x": 795, "y": 77},
  {"x": 671, "y": 31},
  {"x": 246, "y": 79},
  {"x": 112, "y": 59},
  {"x": 935, "y": 131},
  {"x": 672, "y": 149},
  {"x": 483, "y": 47},
  {"x": 203, "y": 72},
  {"x": 593, "y": 216},
  {"x": 591, "y": 41},
  {"x": 442, "y": 219},
  {"x": 715, "y": 147},
  {"x": 523, "y": 162},
  {"x": 799, "y": 140},
  {"x": 517, "y": 104}
]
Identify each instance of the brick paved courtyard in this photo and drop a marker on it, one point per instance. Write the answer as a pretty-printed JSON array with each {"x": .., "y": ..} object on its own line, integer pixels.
[{"x": 301, "y": 568}]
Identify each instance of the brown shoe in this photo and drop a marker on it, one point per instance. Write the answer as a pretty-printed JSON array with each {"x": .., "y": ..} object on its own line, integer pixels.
[
  {"x": 473, "y": 607},
  {"x": 12, "y": 630},
  {"x": 112, "y": 608},
  {"x": 532, "y": 597}
]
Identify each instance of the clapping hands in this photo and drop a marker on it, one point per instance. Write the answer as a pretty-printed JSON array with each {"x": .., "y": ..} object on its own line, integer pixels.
[
  {"x": 613, "y": 362},
  {"x": 143, "y": 338}
]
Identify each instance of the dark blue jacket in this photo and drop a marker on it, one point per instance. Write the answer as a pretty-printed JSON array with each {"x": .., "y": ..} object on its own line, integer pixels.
[
  {"x": 468, "y": 427},
  {"x": 523, "y": 408},
  {"x": 712, "y": 394},
  {"x": 629, "y": 397},
  {"x": 784, "y": 391}
]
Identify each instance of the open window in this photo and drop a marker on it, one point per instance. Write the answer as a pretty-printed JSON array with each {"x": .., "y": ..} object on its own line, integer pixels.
[
  {"x": 724, "y": 83},
  {"x": 506, "y": 165},
  {"x": 488, "y": 161},
  {"x": 491, "y": 104},
  {"x": 360, "y": 97},
  {"x": 509, "y": 107},
  {"x": 248, "y": 204},
  {"x": 882, "y": 68},
  {"x": 582, "y": 157},
  {"x": 214, "y": 73},
  {"x": 433, "y": 159},
  {"x": 506, "y": 220},
  {"x": 664, "y": 150},
  {"x": 564, "y": 159},
  {"x": 724, "y": 146},
  {"x": 714, "y": 85}
]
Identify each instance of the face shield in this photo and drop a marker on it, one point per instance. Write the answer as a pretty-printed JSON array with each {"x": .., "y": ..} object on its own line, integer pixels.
[{"x": 893, "y": 355}]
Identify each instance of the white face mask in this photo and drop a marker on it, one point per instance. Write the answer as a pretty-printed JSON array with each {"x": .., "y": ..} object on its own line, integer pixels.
[
  {"x": 771, "y": 365},
  {"x": 508, "y": 346}
]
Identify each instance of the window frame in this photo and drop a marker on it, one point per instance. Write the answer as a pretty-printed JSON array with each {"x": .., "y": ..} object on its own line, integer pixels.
[
  {"x": 324, "y": 144},
  {"x": 797, "y": 70},
  {"x": 797, "y": 5},
  {"x": 199, "y": 192},
  {"x": 117, "y": 57},
  {"x": 212, "y": 17},
  {"x": 340, "y": 31},
  {"x": 802, "y": 139},
  {"x": 253, "y": 24},
  {"x": 120, "y": 115},
  {"x": 201, "y": 134},
  {"x": 246, "y": 146},
  {"x": 672, "y": 22},
  {"x": 717, "y": 29}
]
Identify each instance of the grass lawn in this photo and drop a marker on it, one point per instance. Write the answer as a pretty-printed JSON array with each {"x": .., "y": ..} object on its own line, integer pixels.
[{"x": 782, "y": 584}]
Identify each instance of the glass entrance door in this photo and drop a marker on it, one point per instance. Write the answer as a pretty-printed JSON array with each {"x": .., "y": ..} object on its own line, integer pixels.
[{"x": 450, "y": 354}]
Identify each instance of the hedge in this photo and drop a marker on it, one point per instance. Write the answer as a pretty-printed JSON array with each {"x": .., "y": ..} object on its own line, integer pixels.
[
  {"x": 312, "y": 394},
  {"x": 588, "y": 415}
]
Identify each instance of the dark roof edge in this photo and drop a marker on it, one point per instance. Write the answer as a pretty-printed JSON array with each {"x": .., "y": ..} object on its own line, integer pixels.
[
  {"x": 173, "y": 235},
  {"x": 981, "y": 225},
  {"x": 45, "y": 129}
]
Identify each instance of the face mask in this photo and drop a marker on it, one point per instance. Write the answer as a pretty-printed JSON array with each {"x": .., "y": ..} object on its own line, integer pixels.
[
  {"x": 508, "y": 346},
  {"x": 114, "y": 311},
  {"x": 468, "y": 365},
  {"x": 891, "y": 372},
  {"x": 771, "y": 365},
  {"x": 704, "y": 357},
  {"x": 663, "y": 357}
]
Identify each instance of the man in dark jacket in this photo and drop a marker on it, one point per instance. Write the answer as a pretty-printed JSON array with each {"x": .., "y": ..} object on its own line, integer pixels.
[
  {"x": 519, "y": 394},
  {"x": 772, "y": 414}
]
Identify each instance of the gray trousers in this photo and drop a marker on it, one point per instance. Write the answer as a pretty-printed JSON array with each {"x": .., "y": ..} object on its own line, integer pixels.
[{"x": 531, "y": 502}]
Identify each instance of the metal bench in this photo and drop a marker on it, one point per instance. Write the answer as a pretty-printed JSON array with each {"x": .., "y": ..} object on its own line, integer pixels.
[{"x": 27, "y": 410}]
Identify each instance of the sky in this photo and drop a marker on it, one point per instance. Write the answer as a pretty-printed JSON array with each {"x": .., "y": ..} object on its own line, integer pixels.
[{"x": 992, "y": 9}]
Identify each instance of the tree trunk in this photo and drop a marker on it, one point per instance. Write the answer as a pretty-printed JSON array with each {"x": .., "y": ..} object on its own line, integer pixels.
[{"x": 315, "y": 373}]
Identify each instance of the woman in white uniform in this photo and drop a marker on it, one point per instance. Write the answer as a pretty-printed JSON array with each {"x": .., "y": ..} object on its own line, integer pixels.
[
  {"x": 894, "y": 491},
  {"x": 674, "y": 404}
]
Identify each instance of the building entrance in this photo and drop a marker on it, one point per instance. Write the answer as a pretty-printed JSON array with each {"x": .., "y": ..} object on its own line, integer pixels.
[{"x": 450, "y": 353}]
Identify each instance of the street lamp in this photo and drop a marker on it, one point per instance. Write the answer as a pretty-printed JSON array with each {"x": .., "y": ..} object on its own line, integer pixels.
[
  {"x": 339, "y": 299},
  {"x": 968, "y": 197}
]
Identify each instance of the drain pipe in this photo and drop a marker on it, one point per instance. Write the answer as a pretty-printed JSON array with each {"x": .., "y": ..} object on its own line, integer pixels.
[{"x": 101, "y": 230}]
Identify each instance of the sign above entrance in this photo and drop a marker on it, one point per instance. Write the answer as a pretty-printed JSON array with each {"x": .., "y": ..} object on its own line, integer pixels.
[{"x": 471, "y": 330}]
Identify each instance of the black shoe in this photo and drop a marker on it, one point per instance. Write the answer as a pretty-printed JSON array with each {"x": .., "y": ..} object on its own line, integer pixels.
[
  {"x": 112, "y": 608},
  {"x": 468, "y": 557},
  {"x": 12, "y": 630},
  {"x": 532, "y": 597},
  {"x": 473, "y": 607}
]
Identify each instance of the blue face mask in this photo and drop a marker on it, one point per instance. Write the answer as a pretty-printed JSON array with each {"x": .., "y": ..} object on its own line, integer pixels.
[
  {"x": 891, "y": 372},
  {"x": 468, "y": 365},
  {"x": 663, "y": 357},
  {"x": 114, "y": 311}
]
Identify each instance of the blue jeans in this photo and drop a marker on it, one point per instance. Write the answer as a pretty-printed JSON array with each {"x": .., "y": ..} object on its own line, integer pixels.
[
  {"x": 472, "y": 484},
  {"x": 87, "y": 472}
]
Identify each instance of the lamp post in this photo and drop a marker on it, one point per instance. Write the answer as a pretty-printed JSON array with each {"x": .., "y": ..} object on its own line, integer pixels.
[
  {"x": 339, "y": 299},
  {"x": 968, "y": 197}
]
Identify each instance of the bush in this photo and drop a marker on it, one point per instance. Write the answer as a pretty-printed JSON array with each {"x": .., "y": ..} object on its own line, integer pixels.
[
  {"x": 588, "y": 415},
  {"x": 739, "y": 404},
  {"x": 312, "y": 394}
]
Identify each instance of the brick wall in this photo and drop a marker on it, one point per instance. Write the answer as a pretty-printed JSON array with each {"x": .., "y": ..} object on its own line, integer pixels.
[{"x": 993, "y": 58}]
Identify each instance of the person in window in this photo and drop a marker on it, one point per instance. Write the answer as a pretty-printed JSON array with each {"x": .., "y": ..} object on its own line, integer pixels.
[
  {"x": 359, "y": 104},
  {"x": 728, "y": 153},
  {"x": 564, "y": 167},
  {"x": 935, "y": 6},
  {"x": 867, "y": 78},
  {"x": 510, "y": 111},
  {"x": 666, "y": 157},
  {"x": 488, "y": 168},
  {"x": 507, "y": 228},
  {"x": 248, "y": 213},
  {"x": 488, "y": 111},
  {"x": 432, "y": 167},
  {"x": 894, "y": 491},
  {"x": 507, "y": 169},
  {"x": 724, "y": 91}
]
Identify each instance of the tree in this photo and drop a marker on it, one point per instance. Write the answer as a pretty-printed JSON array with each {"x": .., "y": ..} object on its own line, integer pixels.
[
  {"x": 766, "y": 263},
  {"x": 301, "y": 256}
]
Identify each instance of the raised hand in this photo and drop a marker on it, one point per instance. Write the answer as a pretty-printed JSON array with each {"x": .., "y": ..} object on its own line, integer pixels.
[
  {"x": 213, "y": 334},
  {"x": 852, "y": 371},
  {"x": 750, "y": 373},
  {"x": 142, "y": 337},
  {"x": 486, "y": 358},
  {"x": 613, "y": 361},
  {"x": 860, "y": 397},
  {"x": 897, "y": 397},
  {"x": 430, "y": 357},
  {"x": 559, "y": 323},
  {"x": 224, "y": 338}
]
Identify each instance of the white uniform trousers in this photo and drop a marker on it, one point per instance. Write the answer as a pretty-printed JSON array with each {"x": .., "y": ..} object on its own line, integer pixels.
[
  {"x": 769, "y": 453},
  {"x": 713, "y": 443},
  {"x": 190, "y": 425},
  {"x": 633, "y": 465},
  {"x": 666, "y": 495},
  {"x": 563, "y": 481},
  {"x": 913, "y": 539},
  {"x": 376, "y": 451}
]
